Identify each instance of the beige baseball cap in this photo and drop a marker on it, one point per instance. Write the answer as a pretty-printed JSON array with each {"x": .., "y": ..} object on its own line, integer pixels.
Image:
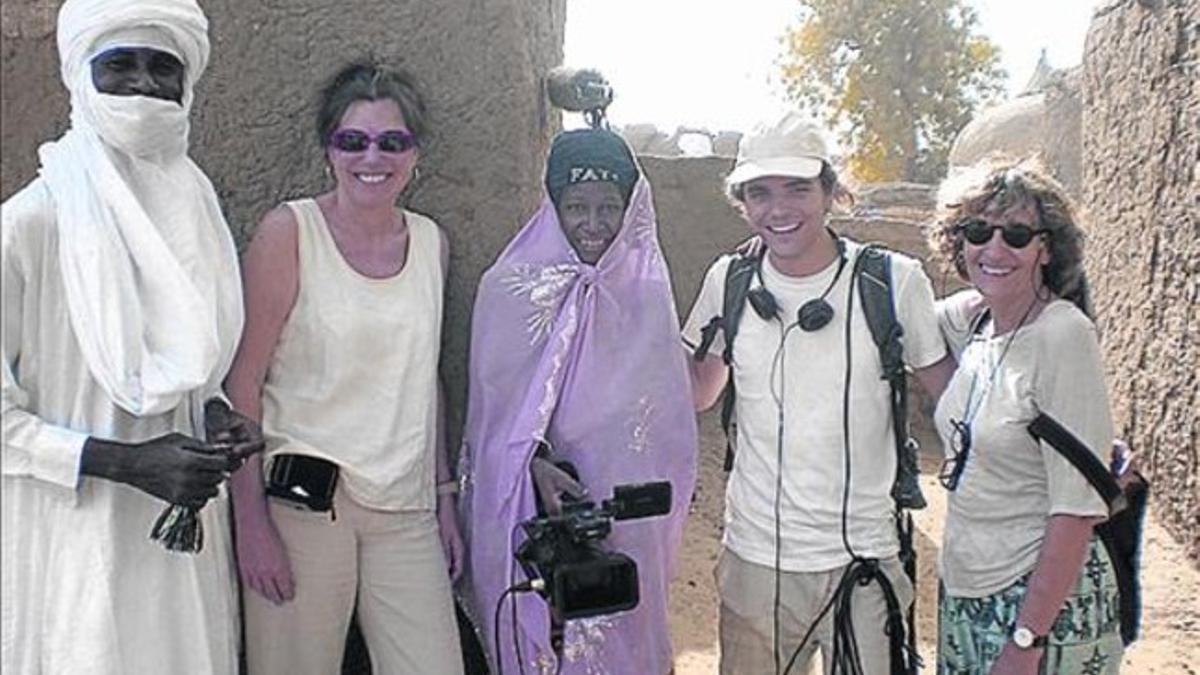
[{"x": 792, "y": 146}]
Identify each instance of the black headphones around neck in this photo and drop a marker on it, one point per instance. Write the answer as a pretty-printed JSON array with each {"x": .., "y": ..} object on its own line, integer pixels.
[{"x": 812, "y": 315}]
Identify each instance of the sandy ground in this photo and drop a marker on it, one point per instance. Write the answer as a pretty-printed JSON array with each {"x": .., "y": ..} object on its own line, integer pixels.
[{"x": 1170, "y": 641}]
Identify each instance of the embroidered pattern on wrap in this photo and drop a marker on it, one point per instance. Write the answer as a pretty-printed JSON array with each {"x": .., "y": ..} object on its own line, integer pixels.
[
  {"x": 549, "y": 392},
  {"x": 584, "y": 640},
  {"x": 640, "y": 425},
  {"x": 543, "y": 287}
]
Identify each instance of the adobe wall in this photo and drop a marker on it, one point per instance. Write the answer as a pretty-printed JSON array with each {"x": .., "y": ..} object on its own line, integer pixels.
[
  {"x": 1141, "y": 145},
  {"x": 480, "y": 64}
]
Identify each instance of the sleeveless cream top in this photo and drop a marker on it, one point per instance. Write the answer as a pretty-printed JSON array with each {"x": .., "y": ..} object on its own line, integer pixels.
[{"x": 354, "y": 377}]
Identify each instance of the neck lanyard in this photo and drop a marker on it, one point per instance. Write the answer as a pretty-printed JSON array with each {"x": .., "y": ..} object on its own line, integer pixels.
[{"x": 973, "y": 406}]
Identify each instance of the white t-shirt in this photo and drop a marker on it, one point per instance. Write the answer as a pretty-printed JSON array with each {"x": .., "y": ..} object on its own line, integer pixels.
[
  {"x": 1012, "y": 484},
  {"x": 809, "y": 380}
]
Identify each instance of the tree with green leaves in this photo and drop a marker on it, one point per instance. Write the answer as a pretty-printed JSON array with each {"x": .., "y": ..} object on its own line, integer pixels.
[{"x": 897, "y": 78}]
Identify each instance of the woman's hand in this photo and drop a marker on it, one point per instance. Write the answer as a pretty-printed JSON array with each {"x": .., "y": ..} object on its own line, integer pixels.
[
  {"x": 452, "y": 543},
  {"x": 751, "y": 247},
  {"x": 1016, "y": 661},
  {"x": 1124, "y": 462},
  {"x": 263, "y": 561},
  {"x": 552, "y": 482}
]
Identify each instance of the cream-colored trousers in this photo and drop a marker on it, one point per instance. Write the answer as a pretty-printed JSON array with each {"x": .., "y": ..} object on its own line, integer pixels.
[
  {"x": 747, "y": 620},
  {"x": 390, "y": 562}
]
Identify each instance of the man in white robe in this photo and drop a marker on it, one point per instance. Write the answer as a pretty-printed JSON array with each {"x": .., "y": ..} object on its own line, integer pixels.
[{"x": 121, "y": 313}]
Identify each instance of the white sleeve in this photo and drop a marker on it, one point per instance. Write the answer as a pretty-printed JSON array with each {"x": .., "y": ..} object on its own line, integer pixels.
[
  {"x": 709, "y": 303},
  {"x": 923, "y": 343},
  {"x": 956, "y": 314},
  {"x": 31, "y": 446},
  {"x": 1069, "y": 387}
]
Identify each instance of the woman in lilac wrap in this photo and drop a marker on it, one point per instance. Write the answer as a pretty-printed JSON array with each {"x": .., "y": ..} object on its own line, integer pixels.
[{"x": 575, "y": 343}]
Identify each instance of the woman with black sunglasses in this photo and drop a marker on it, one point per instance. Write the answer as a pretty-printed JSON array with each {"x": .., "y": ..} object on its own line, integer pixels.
[
  {"x": 353, "y": 504},
  {"x": 1026, "y": 586}
]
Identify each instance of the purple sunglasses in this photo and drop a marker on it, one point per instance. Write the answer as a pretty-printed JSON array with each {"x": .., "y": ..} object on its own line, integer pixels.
[{"x": 356, "y": 140}]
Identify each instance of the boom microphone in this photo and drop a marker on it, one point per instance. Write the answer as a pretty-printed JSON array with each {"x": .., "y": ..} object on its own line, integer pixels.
[{"x": 578, "y": 89}]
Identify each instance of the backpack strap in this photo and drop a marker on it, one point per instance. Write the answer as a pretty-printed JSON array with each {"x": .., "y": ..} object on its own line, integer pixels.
[
  {"x": 873, "y": 275},
  {"x": 1047, "y": 429},
  {"x": 738, "y": 277},
  {"x": 1121, "y": 533}
]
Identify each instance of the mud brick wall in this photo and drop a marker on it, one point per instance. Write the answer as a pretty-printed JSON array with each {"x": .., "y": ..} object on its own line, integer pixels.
[
  {"x": 480, "y": 63},
  {"x": 1141, "y": 148}
]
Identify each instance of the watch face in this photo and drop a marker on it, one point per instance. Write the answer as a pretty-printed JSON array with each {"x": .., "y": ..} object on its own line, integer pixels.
[{"x": 1023, "y": 637}]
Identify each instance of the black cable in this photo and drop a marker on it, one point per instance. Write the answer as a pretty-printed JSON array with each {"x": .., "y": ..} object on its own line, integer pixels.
[
  {"x": 816, "y": 622},
  {"x": 778, "y": 364},
  {"x": 496, "y": 629},
  {"x": 516, "y": 640},
  {"x": 522, "y": 587},
  {"x": 846, "y": 423},
  {"x": 860, "y": 571},
  {"x": 842, "y": 593},
  {"x": 514, "y": 587}
]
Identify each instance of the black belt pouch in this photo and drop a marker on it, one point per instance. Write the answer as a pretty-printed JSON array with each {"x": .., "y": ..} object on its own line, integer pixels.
[{"x": 304, "y": 481}]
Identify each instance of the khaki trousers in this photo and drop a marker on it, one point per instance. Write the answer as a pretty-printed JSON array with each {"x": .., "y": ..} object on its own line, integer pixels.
[
  {"x": 747, "y": 618},
  {"x": 390, "y": 562}
]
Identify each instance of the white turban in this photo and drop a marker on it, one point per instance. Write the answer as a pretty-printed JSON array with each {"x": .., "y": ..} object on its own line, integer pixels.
[{"x": 148, "y": 264}]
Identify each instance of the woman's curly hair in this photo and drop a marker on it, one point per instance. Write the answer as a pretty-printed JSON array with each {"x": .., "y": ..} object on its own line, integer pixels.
[{"x": 999, "y": 184}]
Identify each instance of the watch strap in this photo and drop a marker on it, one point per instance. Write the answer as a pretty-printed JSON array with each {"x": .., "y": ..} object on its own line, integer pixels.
[{"x": 1034, "y": 640}]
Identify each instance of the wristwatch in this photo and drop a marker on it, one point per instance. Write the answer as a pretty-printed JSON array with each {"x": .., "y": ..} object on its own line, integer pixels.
[{"x": 1024, "y": 638}]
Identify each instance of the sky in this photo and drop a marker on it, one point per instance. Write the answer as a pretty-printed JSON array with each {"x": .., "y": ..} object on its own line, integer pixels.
[{"x": 713, "y": 64}]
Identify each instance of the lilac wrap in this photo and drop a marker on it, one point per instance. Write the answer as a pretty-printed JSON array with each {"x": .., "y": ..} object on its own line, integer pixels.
[{"x": 590, "y": 359}]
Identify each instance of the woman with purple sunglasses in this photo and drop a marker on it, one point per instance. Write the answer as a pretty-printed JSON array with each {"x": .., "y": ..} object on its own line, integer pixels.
[
  {"x": 353, "y": 501},
  {"x": 1027, "y": 587}
]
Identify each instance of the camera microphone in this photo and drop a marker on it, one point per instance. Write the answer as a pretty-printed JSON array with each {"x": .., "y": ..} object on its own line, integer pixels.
[{"x": 578, "y": 89}]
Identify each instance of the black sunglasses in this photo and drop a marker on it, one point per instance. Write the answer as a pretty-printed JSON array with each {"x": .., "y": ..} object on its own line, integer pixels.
[
  {"x": 953, "y": 466},
  {"x": 979, "y": 232}
]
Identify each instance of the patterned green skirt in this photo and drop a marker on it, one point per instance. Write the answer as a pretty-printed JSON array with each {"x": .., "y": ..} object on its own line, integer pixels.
[{"x": 1085, "y": 638}]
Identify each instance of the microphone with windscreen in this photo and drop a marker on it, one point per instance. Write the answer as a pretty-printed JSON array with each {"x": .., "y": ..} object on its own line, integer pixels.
[{"x": 582, "y": 90}]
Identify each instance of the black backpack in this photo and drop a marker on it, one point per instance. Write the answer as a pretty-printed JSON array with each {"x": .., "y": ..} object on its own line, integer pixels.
[
  {"x": 1121, "y": 534},
  {"x": 872, "y": 274}
]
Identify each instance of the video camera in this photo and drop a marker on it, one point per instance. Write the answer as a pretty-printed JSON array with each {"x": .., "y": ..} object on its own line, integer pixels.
[{"x": 581, "y": 579}]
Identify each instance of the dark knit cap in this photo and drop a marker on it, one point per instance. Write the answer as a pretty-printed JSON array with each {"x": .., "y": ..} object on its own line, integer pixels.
[{"x": 583, "y": 155}]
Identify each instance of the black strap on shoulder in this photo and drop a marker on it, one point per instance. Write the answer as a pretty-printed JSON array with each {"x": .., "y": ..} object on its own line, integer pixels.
[
  {"x": 873, "y": 274},
  {"x": 1121, "y": 534},
  {"x": 1049, "y": 430},
  {"x": 738, "y": 277}
]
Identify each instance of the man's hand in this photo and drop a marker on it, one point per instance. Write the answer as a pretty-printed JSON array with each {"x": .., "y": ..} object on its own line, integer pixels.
[
  {"x": 263, "y": 560},
  {"x": 175, "y": 468},
  {"x": 551, "y": 482},
  {"x": 452, "y": 543},
  {"x": 226, "y": 427}
]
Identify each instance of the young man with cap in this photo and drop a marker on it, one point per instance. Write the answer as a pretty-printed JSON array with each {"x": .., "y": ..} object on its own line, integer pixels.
[
  {"x": 808, "y": 502},
  {"x": 122, "y": 310},
  {"x": 575, "y": 357}
]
